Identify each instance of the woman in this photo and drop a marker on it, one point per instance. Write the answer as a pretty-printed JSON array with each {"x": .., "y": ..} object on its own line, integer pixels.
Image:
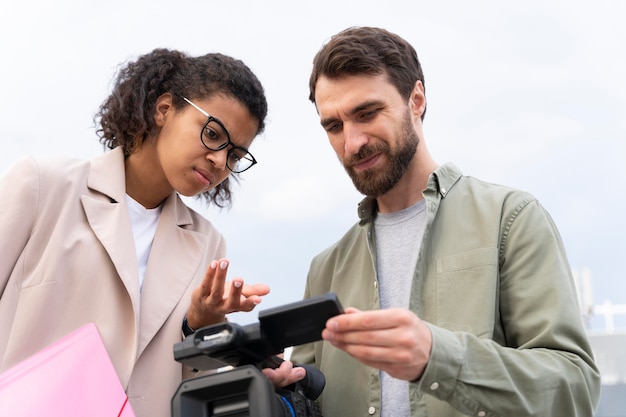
[{"x": 109, "y": 240}]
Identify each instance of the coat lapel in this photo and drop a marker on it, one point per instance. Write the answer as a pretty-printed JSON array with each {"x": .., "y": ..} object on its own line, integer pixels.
[
  {"x": 175, "y": 260},
  {"x": 108, "y": 217},
  {"x": 176, "y": 257}
]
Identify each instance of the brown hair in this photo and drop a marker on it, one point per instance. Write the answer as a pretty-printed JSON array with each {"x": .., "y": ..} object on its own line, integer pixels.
[{"x": 369, "y": 51}]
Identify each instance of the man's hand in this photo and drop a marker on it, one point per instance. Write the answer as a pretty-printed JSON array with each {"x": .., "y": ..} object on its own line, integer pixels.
[
  {"x": 395, "y": 340},
  {"x": 214, "y": 297},
  {"x": 285, "y": 374}
]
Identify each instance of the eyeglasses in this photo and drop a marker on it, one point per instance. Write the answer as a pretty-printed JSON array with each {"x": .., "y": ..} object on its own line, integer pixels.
[{"x": 215, "y": 137}]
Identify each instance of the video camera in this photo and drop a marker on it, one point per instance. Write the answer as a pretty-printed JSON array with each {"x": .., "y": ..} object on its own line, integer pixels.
[{"x": 244, "y": 391}]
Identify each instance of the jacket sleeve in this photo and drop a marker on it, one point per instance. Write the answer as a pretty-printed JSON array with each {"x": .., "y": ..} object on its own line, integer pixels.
[
  {"x": 544, "y": 366},
  {"x": 19, "y": 188}
]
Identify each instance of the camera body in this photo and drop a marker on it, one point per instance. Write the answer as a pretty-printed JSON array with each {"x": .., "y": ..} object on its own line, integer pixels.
[{"x": 244, "y": 390}]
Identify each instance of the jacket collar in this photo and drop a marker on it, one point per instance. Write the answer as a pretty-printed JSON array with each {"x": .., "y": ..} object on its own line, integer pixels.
[{"x": 107, "y": 176}]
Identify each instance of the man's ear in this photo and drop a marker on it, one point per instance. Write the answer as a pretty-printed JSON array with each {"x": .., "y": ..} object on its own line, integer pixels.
[
  {"x": 417, "y": 101},
  {"x": 162, "y": 106}
]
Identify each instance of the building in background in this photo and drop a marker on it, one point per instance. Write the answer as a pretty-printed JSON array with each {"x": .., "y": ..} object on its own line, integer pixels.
[{"x": 606, "y": 329}]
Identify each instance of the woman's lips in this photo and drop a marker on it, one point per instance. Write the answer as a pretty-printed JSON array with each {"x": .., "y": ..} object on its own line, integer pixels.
[{"x": 203, "y": 176}]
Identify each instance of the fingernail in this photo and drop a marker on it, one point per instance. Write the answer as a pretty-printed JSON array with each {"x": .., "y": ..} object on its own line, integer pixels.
[
  {"x": 223, "y": 265},
  {"x": 213, "y": 265},
  {"x": 237, "y": 284}
]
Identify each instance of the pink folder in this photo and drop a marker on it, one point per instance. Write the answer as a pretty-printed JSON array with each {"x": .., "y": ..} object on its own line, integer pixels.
[{"x": 72, "y": 377}]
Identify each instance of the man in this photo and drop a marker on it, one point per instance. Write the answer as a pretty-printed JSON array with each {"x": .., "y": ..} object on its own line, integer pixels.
[{"x": 460, "y": 293}]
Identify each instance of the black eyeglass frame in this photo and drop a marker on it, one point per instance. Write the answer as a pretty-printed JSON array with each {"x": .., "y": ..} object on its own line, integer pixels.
[{"x": 246, "y": 154}]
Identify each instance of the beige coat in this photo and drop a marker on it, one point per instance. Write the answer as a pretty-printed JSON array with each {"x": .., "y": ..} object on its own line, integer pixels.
[{"x": 67, "y": 257}]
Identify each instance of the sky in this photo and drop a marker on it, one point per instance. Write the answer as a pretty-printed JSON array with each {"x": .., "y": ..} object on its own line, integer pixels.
[{"x": 527, "y": 94}]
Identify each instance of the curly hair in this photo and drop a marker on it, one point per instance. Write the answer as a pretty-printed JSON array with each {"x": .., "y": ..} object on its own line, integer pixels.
[
  {"x": 126, "y": 117},
  {"x": 370, "y": 51}
]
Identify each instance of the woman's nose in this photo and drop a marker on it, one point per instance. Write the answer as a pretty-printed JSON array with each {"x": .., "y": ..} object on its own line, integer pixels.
[{"x": 218, "y": 158}]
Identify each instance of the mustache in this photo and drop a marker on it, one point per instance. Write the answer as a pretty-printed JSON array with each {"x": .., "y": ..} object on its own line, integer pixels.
[{"x": 365, "y": 152}]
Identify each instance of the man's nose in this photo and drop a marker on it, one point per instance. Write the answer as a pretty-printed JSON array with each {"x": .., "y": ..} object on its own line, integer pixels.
[{"x": 355, "y": 138}]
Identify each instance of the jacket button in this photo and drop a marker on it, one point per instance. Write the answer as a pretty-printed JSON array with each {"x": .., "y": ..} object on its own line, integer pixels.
[
  {"x": 371, "y": 410},
  {"x": 481, "y": 413},
  {"x": 434, "y": 386}
]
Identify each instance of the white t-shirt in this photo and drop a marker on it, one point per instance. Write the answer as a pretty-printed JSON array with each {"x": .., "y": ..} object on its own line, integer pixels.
[{"x": 144, "y": 223}]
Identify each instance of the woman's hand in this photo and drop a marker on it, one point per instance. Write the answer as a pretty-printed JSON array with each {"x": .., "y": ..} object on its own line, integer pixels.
[{"x": 214, "y": 297}]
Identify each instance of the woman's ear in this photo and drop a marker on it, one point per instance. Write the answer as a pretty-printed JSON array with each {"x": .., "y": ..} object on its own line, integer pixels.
[{"x": 162, "y": 107}]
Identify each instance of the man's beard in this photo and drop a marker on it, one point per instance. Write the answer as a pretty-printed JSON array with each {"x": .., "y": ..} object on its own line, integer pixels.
[{"x": 374, "y": 183}]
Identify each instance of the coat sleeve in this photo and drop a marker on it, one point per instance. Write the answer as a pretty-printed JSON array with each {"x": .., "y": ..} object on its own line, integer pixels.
[
  {"x": 545, "y": 366},
  {"x": 19, "y": 188}
]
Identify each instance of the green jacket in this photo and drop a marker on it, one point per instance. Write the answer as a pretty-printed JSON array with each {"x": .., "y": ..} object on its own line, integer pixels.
[{"x": 493, "y": 282}]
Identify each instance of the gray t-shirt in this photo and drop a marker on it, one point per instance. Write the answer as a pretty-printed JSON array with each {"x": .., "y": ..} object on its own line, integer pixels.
[{"x": 398, "y": 240}]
